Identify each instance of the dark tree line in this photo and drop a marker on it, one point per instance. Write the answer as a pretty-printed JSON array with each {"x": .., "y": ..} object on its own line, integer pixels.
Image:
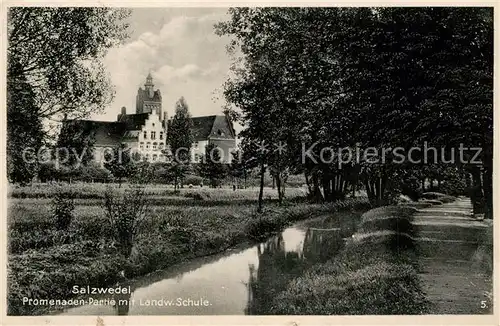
[
  {"x": 362, "y": 77},
  {"x": 54, "y": 68}
]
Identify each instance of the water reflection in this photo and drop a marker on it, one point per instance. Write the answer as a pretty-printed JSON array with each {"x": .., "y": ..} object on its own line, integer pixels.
[
  {"x": 276, "y": 266},
  {"x": 241, "y": 281},
  {"x": 122, "y": 303}
]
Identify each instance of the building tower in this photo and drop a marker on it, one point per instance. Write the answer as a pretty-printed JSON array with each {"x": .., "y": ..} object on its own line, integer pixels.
[{"x": 148, "y": 100}]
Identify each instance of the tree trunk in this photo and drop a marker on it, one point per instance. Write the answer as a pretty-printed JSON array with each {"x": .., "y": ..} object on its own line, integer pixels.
[
  {"x": 317, "y": 196},
  {"x": 488, "y": 193},
  {"x": 245, "y": 179},
  {"x": 278, "y": 185},
  {"x": 327, "y": 194},
  {"x": 261, "y": 191},
  {"x": 477, "y": 196},
  {"x": 488, "y": 185},
  {"x": 308, "y": 183}
]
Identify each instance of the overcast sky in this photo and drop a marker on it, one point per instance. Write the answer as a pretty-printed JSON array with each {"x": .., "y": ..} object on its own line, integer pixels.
[{"x": 185, "y": 57}]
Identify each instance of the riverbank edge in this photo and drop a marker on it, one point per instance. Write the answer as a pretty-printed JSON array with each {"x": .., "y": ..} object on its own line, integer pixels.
[
  {"x": 104, "y": 270},
  {"x": 376, "y": 272}
]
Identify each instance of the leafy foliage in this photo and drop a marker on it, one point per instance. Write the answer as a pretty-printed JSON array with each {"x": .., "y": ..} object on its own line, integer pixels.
[
  {"x": 212, "y": 167},
  {"x": 361, "y": 77},
  {"x": 63, "y": 207},
  {"x": 126, "y": 215},
  {"x": 24, "y": 127},
  {"x": 120, "y": 163},
  {"x": 59, "y": 52},
  {"x": 180, "y": 138}
]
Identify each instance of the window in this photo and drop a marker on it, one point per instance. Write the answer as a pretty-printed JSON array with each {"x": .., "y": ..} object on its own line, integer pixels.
[
  {"x": 145, "y": 135},
  {"x": 153, "y": 124},
  {"x": 141, "y": 145},
  {"x": 147, "y": 145},
  {"x": 161, "y": 135},
  {"x": 195, "y": 145},
  {"x": 160, "y": 146},
  {"x": 154, "y": 146},
  {"x": 196, "y": 157},
  {"x": 147, "y": 157},
  {"x": 153, "y": 134}
]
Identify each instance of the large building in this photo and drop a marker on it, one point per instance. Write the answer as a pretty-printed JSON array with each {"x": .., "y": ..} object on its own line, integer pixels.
[{"x": 145, "y": 131}]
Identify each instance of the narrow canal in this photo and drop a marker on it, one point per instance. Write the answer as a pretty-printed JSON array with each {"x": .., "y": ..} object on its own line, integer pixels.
[{"x": 238, "y": 281}]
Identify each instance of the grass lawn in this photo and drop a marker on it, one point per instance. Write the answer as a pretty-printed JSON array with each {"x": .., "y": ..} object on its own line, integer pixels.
[{"x": 45, "y": 262}]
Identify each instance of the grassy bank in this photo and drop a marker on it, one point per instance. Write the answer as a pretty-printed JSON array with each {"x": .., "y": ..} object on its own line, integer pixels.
[
  {"x": 375, "y": 273},
  {"x": 45, "y": 262}
]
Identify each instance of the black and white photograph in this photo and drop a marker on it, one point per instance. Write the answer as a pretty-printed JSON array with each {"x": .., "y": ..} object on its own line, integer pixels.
[{"x": 249, "y": 160}]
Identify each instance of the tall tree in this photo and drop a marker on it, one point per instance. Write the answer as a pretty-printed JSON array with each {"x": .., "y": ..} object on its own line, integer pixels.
[
  {"x": 180, "y": 138},
  {"x": 367, "y": 77},
  {"x": 120, "y": 163},
  {"x": 24, "y": 128},
  {"x": 59, "y": 51},
  {"x": 75, "y": 143},
  {"x": 212, "y": 167}
]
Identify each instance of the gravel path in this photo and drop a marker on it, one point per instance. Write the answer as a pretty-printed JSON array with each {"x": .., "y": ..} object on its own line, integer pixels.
[{"x": 456, "y": 270}]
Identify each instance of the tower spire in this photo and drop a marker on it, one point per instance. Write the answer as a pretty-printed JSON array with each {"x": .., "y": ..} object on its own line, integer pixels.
[{"x": 149, "y": 80}]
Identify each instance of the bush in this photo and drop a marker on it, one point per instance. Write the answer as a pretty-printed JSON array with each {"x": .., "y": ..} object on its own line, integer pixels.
[
  {"x": 261, "y": 228},
  {"x": 402, "y": 212},
  {"x": 438, "y": 196},
  {"x": 432, "y": 201},
  {"x": 198, "y": 195},
  {"x": 63, "y": 206},
  {"x": 125, "y": 215},
  {"x": 417, "y": 205},
  {"x": 193, "y": 180}
]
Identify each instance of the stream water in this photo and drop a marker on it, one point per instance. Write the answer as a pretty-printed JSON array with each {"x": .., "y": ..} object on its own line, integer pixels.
[{"x": 238, "y": 281}]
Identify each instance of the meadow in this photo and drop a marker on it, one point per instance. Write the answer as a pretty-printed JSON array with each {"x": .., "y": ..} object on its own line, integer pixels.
[{"x": 45, "y": 261}]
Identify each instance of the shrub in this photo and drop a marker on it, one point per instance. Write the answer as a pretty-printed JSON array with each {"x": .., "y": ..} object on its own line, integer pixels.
[
  {"x": 432, "y": 201},
  {"x": 63, "y": 206},
  {"x": 438, "y": 196},
  {"x": 198, "y": 195},
  {"x": 402, "y": 212},
  {"x": 259, "y": 228},
  {"x": 417, "y": 205},
  {"x": 193, "y": 180},
  {"x": 125, "y": 214}
]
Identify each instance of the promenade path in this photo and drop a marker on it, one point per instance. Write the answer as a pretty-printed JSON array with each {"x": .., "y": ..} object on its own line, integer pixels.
[{"x": 456, "y": 262}]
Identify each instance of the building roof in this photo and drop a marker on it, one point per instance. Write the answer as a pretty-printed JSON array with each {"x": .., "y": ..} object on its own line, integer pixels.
[
  {"x": 134, "y": 121},
  {"x": 215, "y": 126},
  {"x": 145, "y": 95},
  {"x": 110, "y": 133},
  {"x": 202, "y": 127},
  {"x": 105, "y": 133}
]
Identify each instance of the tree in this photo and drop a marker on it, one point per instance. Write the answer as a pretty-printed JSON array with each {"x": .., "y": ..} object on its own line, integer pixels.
[
  {"x": 24, "y": 128},
  {"x": 75, "y": 144},
  {"x": 212, "y": 167},
  {"x": 362, "y": 77},
  {"x": 180, "y": 138},
  {"x": 59, "y": 51},
  {"x": 238, "y": 168},
  {"x": 120, "y": 163}
]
